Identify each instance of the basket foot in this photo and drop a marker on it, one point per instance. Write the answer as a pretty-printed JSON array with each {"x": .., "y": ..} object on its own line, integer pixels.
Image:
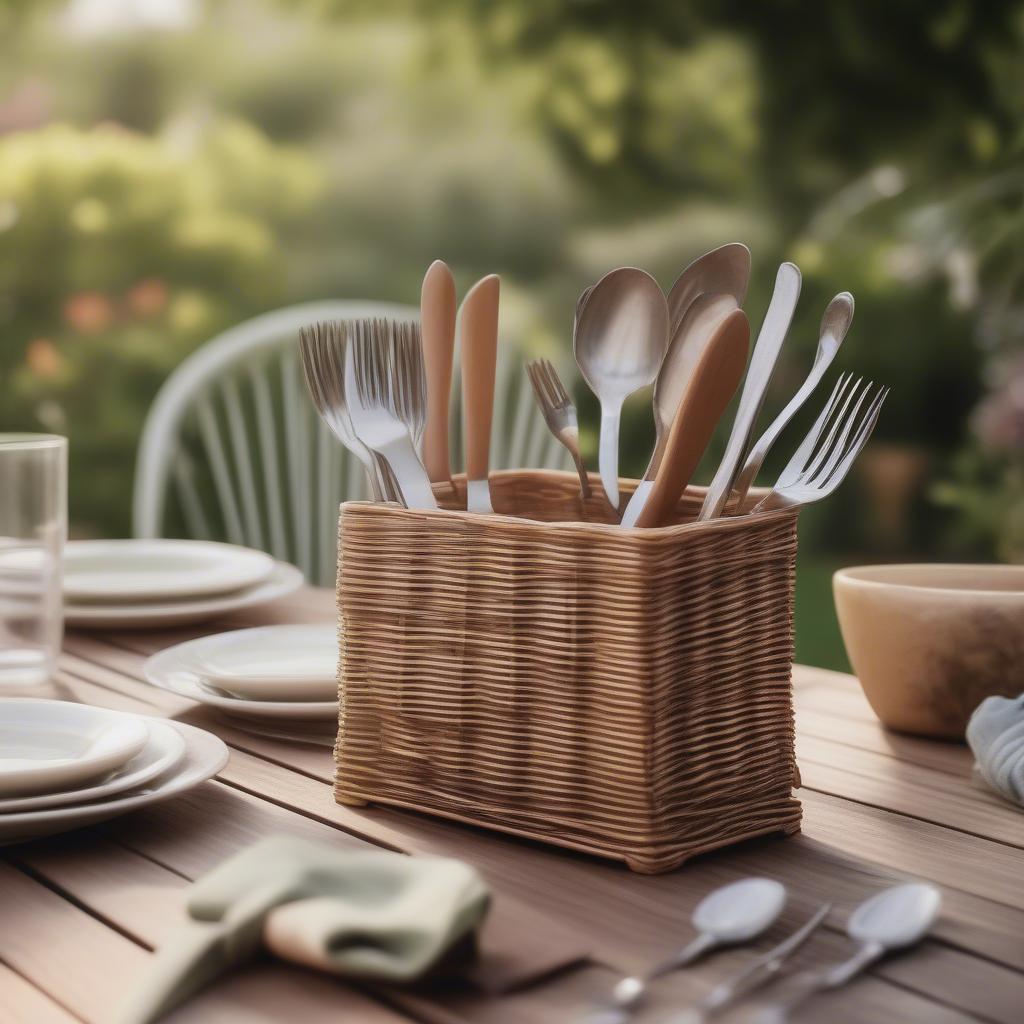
[{"x": 350, "y": 801}]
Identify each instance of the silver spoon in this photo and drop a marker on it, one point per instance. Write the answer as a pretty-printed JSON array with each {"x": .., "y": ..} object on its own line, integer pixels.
[
  {"x": 619, "y": 342},
  {"x": 892, "y": 919},
  {"x": 721, "y": 277},
  {"x": 733, "y": 914},
  {"x": 725, "y": 269},
  {"x": 834, "y": 325}
]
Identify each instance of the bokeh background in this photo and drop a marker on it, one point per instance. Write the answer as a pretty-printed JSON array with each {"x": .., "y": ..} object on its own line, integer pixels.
[{"x": 171, "y": 167}]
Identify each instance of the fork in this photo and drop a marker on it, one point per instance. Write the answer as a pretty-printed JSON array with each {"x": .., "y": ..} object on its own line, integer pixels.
[
  {"x": 816, "y": 470},
  {"x": 559, "y": 413},
  {"x": 322, "y": 352},
  {"x": 386, "y": 396}
]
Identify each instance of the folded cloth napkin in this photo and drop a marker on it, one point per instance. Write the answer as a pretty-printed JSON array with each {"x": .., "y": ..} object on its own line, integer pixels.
[
  {"x": 996, "y": 735},
  {"x": 368, "y": 915}
]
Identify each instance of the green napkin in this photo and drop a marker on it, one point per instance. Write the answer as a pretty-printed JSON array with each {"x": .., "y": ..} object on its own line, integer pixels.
[{"x": 368, "y": 915}]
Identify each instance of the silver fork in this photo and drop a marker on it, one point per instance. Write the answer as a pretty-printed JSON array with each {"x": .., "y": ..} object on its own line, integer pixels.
[
  {"x": 817, "y": 469},
  {"x": 559, "y": 413},
  {"x": 322, "y": 352},
  {"x": 385, "y": 390}
]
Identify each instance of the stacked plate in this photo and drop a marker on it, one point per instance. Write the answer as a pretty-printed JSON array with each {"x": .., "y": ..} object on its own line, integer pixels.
[
  {"x": 153, "y": 583},
  {"x": 65, "y": 765},
  {"x": 280, "y": 681}
]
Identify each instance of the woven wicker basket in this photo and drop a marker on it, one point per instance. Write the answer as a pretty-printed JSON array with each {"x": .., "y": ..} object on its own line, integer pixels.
[{"x": 621, "y": 692}]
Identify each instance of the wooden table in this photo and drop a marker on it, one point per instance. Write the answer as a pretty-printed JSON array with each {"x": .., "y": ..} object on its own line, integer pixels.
[{"x": 79, "y": 914}]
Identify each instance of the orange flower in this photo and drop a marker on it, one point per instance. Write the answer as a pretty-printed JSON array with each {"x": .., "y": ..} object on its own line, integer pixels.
[
  {"x": 88, "y": 312},
  {"x": 148, "y": 297},
  {"x": 42, "y": 357}
]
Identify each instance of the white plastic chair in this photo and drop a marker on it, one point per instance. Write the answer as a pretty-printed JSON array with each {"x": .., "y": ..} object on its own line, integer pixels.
[{"x": 233, "y": 448}]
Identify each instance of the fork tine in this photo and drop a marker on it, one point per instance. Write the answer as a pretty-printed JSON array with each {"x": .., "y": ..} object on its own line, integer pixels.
[
  {"x": 831, "y": 453},
  {"x": 864, "y": 431},
  {"x": 795, "y": 466},
  {"x": 826, "y": 448},
  {"x": 561, "y": 396},
  {"x": 550, "y": 378}
]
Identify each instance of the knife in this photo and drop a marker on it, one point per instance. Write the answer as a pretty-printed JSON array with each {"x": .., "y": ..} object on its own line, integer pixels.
[
  {"x": 478, "y": 332},
  {"x": 437, "y": 328},
  {"x": 762, "y": 364}
]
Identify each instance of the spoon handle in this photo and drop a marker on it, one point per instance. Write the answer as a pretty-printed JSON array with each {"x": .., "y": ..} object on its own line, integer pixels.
[
  {"x": 810, "y": 982},
  {"x": 835, "y": 324},
  {"x": 608, "y": 453}
]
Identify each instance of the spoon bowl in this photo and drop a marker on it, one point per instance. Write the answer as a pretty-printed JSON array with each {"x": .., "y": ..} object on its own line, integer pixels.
[
  {"x": 619, "y": 342},
  {"x": 725, "y": 269},
  {"x": 741, "y": 911},
  {"x": 896, "y": 917}
]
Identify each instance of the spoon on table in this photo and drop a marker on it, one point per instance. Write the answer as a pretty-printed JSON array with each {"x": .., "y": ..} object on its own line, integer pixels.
[
  {"x": 731, "y": 915},
  {"x": 892, "y": 919},
  {"x": 725, "y": 269},
  {"x": 754, "y": 974},
  {"x": 619, "y": 342},
  {"x": 712, "y": 384},
  {"x": 834, "y": 324},
  {"x": 723, "y": 274},
  {"x": 762, "y": 364}
]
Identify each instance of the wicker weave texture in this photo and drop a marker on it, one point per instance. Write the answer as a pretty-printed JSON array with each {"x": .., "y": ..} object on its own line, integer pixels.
[{"x": 620, "y": 692}]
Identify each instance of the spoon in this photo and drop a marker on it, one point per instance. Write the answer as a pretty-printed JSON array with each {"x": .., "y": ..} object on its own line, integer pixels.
[
  {"x": 731, "y": 915},
  {"x": 711, "y": 387},
  {"x": 834, "y": 325},
  {"x": 725, "y": 283},
  {"x": 762, "y": 363},
  {"x": 892, "y": 919},
  {"x": 619, "y": 342},
  {"x": 725, "y": 269}
]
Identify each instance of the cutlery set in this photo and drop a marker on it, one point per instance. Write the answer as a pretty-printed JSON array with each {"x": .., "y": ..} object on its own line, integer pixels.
[
  {"x": 742, "y": 911},
  {"x": 384, "y": 388}
]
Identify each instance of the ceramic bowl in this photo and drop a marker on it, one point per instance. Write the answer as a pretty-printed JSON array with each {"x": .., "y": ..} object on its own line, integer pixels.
[{"x": 929, "y": 642}]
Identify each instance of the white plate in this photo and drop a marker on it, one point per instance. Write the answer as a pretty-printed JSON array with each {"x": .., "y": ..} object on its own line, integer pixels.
[
  {"x": 205, "y": 755},
  {"x": 272, "y": 662},
  {"x": 49, "y": 745},
  {"x": 284, "y": 580},
  {"x": 176, "y": 669},
  {"x": 147, "y": 570},
  {"x": 163, "y": 750}
]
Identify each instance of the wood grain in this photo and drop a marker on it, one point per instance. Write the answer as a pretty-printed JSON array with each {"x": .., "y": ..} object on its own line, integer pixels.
[{"x": 79, "y": 913}]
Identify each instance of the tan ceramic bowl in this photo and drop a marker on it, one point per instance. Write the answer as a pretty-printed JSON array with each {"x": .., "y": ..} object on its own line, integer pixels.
[{"x": 929, "y": 642}]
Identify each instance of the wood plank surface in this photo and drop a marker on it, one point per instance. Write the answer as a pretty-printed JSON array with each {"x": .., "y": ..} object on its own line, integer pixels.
[{"x": 878, "y": 807}]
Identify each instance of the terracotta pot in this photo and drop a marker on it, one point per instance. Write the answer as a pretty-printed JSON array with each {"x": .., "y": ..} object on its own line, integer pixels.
[{"x": 929, "y": 642}]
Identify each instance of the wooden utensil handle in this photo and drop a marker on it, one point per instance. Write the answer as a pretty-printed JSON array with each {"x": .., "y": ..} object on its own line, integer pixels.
[
  {"x": 437, "y": 324},
  {"x": 479, "y": 333},
  {"x": 715, "y": 379}
]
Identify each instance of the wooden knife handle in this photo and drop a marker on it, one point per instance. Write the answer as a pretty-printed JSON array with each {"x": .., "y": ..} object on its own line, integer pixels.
[
  {"x": 478, "y": 331},
  {"x": 714, "y": 381},
  {"x": 437, "y": 325}
]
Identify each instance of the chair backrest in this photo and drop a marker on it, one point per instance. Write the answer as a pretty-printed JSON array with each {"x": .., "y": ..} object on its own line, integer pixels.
[{"x": 233, "y": 448}]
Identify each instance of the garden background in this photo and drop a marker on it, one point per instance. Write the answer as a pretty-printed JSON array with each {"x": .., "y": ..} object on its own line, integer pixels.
[{"x": 171, "y": 167}]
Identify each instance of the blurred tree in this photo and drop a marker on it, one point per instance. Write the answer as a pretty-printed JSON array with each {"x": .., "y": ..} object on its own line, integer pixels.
[{"x": 118, "y": 254}]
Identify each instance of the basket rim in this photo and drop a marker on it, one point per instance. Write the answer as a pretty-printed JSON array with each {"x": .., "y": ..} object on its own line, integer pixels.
[{"x": 634, "y": 533}]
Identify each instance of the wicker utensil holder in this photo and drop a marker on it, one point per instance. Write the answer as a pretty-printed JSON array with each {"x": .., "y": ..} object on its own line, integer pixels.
[{"x": 625, "y": 693}]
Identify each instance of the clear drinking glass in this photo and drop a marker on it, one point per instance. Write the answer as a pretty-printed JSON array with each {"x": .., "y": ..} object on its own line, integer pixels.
[{"x": 33, "y": 526}]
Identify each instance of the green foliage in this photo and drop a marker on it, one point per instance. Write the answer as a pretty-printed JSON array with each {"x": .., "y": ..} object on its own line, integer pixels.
[{"x": 119, "y": 253}]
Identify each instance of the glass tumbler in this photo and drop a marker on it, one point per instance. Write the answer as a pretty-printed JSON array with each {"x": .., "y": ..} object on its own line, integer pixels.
[{"x": 33, "y": 526}]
